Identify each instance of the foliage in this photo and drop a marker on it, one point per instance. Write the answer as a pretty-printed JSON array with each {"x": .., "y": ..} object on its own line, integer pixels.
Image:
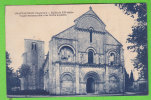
[
  {"x": 24, "y": 70},
  {"x": 8, "y": 61},
  {"x": 12, "y": 79},
  {"x": 9, "y": 70},
  {"x": 138, "y": 37},
  {"x": 131, "y": 79},
  {"x": 128, "y": 81}
]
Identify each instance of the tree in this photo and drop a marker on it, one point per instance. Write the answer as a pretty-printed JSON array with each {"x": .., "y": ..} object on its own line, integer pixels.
[
  {"x": 25, "y": 71},
  {"x": 138, "y": 37},
  {"x": 127, "y": 81},
  {"x": 131, "y": 79},
  {"x": 9, "y": 72},
  {"x": 12, "y": 79}
]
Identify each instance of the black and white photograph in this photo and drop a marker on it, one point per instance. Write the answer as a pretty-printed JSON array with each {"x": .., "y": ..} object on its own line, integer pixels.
[{"x": 76, "y": 50}]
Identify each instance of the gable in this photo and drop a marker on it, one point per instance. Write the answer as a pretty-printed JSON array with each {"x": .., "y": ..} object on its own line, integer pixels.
[
  {"x": 111, "y": 40},
  {"x": 90, "y": 20},
  {"x": 84, "y": 23}
]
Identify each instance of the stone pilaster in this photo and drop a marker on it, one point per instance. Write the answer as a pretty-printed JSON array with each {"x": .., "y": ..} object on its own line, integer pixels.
[
  {"x": 77, "y": 79},
  {"x": 107, "y": 80},
  {"x": 57, "y": 78}
]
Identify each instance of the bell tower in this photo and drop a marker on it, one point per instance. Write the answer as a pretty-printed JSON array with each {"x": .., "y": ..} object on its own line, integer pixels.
[{"x": 34, "y": 58}]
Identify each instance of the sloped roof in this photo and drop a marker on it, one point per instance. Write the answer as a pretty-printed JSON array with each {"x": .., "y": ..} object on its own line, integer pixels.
[
  {"x": 107, "y": 33},
  {"x": 70, "y": 28}
]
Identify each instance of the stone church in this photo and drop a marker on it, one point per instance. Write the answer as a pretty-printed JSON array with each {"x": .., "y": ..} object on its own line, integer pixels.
[{"x": 83, "y": 59}]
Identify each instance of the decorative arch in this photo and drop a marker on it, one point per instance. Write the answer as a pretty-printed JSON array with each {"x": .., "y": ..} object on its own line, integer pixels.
[
  {"x": 66, "y": 83},
  {"x": 91, "y": 48},
  {"x": 112, "y": 56},
  {"x": 66, "y": 53},
  {"x": 112, "y": 50},
  {"x": 66, "y": 45},
  {"x": 91, "y": 52},
  {"x": 115, "y": 76},
  {"x": 114, "y": 86},
  {"x": 91, "y": 80},
  {"x": 92, "y": 74},
  {"x": 66, "y": 74}
]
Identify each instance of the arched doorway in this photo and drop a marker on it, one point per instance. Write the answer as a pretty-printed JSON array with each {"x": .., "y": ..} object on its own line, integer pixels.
[
  {"x": 92, "y": 80},
  {"x": 90, "y": 85}
]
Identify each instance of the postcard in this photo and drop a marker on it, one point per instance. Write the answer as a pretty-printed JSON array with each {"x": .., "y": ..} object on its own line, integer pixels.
[{"x": 76, "y": 50}]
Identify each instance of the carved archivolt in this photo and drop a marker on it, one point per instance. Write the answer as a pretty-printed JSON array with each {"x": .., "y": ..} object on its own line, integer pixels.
[
  {"x": 66, "y": 53},
  {"x": 93, "y": 75},
  {"x": 66, "y": 76}
]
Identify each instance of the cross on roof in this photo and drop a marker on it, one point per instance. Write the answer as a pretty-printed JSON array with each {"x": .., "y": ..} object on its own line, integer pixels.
[{"x": 90, "y": 8}]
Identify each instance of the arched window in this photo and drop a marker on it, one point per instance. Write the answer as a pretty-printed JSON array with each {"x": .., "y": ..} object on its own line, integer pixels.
[
  {"x": 34, "y": 54},
  {"x": 90, "y": 57},
  {"x": 90, "y": 30},
  {"x": 112, "y": 59},
  {"x": 33, "y": 46}
]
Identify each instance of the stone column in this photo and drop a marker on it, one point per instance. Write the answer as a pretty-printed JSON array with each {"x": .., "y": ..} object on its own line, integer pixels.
[
  {"x": 107, "y": 80},
  {"x": 57, "y": 78},
  {"x": 77, "y": 79}
]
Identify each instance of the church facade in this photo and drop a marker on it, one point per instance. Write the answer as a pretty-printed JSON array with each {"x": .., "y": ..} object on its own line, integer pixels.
[{"x": 83, "y": 59}]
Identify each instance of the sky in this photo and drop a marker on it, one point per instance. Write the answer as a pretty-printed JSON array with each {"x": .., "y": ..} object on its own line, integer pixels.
[{"x": 19, "y": 27}]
